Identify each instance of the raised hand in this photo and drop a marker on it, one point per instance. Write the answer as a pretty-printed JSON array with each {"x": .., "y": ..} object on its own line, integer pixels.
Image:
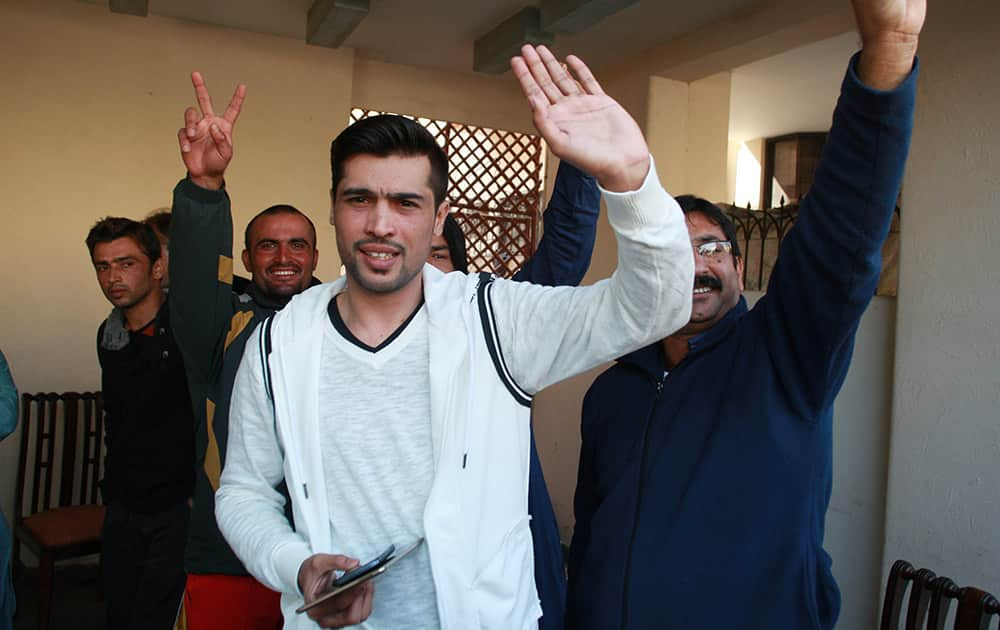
[
  {"x": 206, "y": 140},
  {"x": 889, "y": 32},
  {"x": 581, "y": 123}
]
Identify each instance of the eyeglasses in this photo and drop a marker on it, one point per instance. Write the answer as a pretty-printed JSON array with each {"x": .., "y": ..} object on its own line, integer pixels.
[{"x": 713, "y": 249}]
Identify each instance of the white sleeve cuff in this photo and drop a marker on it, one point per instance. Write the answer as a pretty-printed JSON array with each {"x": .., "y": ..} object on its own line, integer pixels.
[
  {"x": 635, "y": 211},
  {"x": 288, "y": 560}
]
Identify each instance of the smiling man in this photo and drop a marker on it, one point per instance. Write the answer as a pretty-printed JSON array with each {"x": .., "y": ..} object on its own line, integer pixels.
[
  {"x": 395, "y": 402},
  {"x": 148, "y": 472},
  {"x": 280, "y": 252},
  {"x": 706, "y": 465},
  {"x": 212, "y": 322},
  {"x": 215, "y": 316}
]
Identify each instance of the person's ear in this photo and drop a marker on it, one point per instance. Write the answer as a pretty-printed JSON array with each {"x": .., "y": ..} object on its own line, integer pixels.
[
  {"x": 440, "y": 214},
  {"x": 246, "y": 261}
]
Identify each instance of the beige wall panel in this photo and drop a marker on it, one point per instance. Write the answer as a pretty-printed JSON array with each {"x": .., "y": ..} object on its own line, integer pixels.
[
  {"x": 93, "y": 101},
  {"x": 708, "y": 137},
  {"x": 667, "y": 131}
]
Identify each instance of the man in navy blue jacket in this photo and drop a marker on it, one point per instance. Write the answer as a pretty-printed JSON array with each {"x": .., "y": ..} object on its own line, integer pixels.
[{"x": 705, "y": 472}]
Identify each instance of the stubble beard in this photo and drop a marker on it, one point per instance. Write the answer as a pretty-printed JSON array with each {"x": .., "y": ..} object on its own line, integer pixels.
[{"x": 387, "y": 285}]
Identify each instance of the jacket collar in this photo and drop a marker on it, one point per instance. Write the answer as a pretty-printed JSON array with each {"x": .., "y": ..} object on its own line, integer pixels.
[
  {"x": 116, "y": 335},
  {"x": 257, "y": 296},
  {"x": 715, "y": 334},
  {"x": 650, "y": 359}
]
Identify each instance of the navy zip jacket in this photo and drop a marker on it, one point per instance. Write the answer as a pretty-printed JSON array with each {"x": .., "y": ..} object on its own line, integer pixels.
[{"x": 702, "y": 493}]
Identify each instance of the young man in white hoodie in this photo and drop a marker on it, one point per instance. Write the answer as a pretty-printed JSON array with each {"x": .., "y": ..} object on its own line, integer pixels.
[{"x": 395, "y": 401}]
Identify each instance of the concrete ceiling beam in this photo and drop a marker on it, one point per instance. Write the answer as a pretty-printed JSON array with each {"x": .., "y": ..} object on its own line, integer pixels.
[
  {"x": 492, "y": 52},
  {"x": 576, "y": 16},
  {"x": 330, "y": 22},
  {"x": 131, "y": 7},
  {"x": 744, "y": 37}
]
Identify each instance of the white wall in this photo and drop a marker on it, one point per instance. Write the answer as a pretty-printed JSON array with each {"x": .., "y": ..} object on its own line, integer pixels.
[
  {"x": 944, "y": 477},
  {"x": 855, "y": 520},
  {"x": 791, "y": 92}
]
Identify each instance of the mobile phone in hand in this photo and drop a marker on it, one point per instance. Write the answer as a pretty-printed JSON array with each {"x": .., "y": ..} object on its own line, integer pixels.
[
  {"x": 358, "y": 571},
  {"x": 358, "y": 575}
]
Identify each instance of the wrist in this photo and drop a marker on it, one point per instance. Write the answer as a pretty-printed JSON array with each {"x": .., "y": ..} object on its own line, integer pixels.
[
  {"x": 208, "y": 182},
  {"x": 299, "y": 579},
  {"x": 627, "y": 178},
  {"x": 886, "y": 61}
]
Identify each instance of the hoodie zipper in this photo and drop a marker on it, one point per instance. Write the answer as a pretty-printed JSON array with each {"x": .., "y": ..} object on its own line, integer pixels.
[{"x": 638, "y": 502}]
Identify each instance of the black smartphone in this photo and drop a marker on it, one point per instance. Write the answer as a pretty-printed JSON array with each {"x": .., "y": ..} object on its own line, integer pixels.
[
  {"x": 358, "y": 571},
  {"x": 369, "y": 570}
]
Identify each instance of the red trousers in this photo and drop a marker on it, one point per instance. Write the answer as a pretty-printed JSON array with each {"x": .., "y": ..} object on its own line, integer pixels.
[{"x": 228, "y": 602}]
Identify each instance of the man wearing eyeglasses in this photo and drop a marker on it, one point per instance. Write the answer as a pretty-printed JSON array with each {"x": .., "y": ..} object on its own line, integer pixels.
[{"x": 706, "y": 465}]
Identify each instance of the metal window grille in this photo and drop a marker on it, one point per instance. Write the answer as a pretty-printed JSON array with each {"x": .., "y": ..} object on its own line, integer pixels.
[
  {"x": 759, "y": 233},
  {"x": 495, "y": 183}
]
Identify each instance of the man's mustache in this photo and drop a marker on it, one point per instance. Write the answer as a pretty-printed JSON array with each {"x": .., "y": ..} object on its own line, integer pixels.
[
  {"x": 705, "y": 280},
  {"x": 379, "y": 241}
]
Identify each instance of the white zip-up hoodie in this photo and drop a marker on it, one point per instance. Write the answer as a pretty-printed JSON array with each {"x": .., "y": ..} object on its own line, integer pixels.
[{"x": 493, "y": 344}]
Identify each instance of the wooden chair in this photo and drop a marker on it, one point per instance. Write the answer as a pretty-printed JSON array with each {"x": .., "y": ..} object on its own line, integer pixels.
[
  {"x": 57, "y": 514},
  {"x": 930, "y": 600}
]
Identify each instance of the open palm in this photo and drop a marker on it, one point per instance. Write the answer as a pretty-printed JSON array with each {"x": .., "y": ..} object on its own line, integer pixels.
[{"x": 580, "y": 122}]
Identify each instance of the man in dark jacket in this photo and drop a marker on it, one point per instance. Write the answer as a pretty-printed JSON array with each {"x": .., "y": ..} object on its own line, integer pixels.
[
  {"x": 705, "y": 471},
  {"x": 212, "y": 324},
  {"x": 148, "y": 473}
]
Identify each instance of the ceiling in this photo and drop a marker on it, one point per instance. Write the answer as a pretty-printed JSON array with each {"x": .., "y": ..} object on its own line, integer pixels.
[{"x": 441, "y": 33}]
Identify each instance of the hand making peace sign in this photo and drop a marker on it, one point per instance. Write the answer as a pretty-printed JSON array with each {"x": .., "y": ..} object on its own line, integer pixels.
[{"x": 206, "y": 140}]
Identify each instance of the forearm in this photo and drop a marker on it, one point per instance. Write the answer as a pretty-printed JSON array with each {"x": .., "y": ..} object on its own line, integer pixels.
[
  {"x": 201, "y": 306},
  {"x": 248, "y": 508},
  {"x": 829, "y": 264},
  {"x": 844, "y": 219},
  {"x": 548, "y": 334},
  {"x": 570, "y": 228}
]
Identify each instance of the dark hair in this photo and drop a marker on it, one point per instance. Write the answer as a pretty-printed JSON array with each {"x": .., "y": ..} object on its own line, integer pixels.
[
  {"x": 690, "y": 204},
  {"x": 455, "y": 238},
  {"x": 385, "y": 135},
  {"x": 159, "y": 220},
  {"x": 113, "y": 228},
  {"x": 280, "y": 208}
]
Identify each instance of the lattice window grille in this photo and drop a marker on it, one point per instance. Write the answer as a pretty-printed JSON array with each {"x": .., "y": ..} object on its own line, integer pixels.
[{"x": 496, "y": 182}]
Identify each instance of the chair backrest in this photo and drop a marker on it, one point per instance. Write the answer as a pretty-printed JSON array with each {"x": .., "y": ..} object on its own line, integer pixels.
[
  {"x": 976, "y": 609},
  {"x": 930, "y": 600},
  {"x": 62, "y": 451},
  {"x": 900, "y": 576},
  {"x": 944, "y": 592},
  {"x": 920, "y": 599}
]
